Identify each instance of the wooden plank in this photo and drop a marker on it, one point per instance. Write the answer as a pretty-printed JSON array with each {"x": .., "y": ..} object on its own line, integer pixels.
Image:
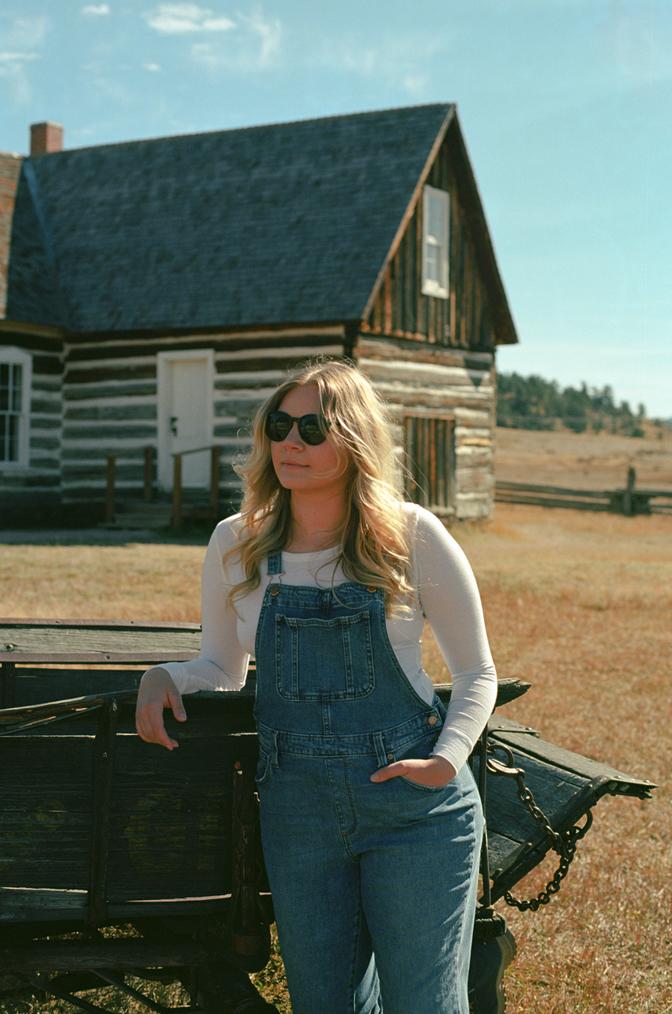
[
  {"x": 73, "y": 657},
  {"x": 550, "y": 502},
  {"x": 387, "y": 290},
  {"x": 117, "y": 954},
  {"x": 554, "y": 490}
]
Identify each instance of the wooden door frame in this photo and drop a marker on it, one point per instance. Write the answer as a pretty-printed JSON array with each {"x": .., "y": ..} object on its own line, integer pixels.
[{"x": 163, "y": 361}]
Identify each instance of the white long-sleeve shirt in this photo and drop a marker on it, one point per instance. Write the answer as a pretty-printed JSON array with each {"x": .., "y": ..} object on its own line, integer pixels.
[{"x": 446, "y": 594}]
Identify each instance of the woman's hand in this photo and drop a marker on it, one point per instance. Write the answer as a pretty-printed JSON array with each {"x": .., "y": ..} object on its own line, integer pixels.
[
  {"x": 433, "y": 772},
  {"x": 156, "y": 692}
]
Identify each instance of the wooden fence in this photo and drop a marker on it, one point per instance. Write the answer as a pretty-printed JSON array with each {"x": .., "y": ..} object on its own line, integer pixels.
[{"x": 629, "y": 500}]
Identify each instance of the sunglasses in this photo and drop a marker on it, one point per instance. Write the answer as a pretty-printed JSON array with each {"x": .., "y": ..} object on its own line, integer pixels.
[{"x": 312, "y": 428}]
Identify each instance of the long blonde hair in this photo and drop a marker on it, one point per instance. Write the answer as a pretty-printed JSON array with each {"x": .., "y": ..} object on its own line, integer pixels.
[{"x": 373, "y": 536}]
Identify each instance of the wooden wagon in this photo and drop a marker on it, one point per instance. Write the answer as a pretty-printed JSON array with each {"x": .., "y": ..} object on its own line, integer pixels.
[{"x": 119, "y": 859}]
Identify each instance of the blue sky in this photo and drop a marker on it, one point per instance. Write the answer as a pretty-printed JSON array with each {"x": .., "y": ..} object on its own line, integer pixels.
[{"x": 565, "y": 106}]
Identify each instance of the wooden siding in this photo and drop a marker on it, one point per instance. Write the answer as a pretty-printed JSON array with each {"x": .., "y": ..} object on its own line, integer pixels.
[
  {"x": 19, "y": 485},
  {"x": 449, "y": 383},
  {"x": 111, "y": 395},
  {"x": 403, "y": 311}
]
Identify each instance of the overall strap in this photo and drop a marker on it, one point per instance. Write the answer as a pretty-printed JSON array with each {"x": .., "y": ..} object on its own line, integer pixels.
[{"x": 275, "y": 562}]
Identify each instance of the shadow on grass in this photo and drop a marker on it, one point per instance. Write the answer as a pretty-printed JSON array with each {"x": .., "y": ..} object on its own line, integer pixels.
[{"x": 190, "y": 535}]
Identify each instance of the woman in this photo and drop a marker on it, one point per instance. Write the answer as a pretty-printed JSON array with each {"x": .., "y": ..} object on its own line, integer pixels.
[{"x": 371, "y": 821}]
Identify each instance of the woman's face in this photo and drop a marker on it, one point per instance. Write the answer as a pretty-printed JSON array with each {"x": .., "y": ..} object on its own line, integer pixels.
[{"x": 305, "y": 467}]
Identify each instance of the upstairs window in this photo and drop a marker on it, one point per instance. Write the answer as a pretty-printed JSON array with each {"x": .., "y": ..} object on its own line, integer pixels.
[
  {"x": 435, "y": 234},
  {"x": 15, "y": 377}
]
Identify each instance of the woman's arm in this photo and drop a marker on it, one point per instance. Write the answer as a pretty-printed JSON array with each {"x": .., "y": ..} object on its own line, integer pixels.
[
  {"x": 221, "y": 663},
  {"x": 451, "y": 603}
]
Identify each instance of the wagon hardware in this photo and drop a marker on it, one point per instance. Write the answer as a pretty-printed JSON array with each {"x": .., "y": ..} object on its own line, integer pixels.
[{"x": 118, "y": 859}]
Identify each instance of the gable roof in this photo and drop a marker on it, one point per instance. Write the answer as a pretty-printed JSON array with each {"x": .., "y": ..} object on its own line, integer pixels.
[{"x": 286, "y": 223}]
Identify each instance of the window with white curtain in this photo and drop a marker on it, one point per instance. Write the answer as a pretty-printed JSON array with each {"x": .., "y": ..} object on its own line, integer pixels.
[
  {"x": 15, "y": 380},
  {"x": 435, "y": 239}
]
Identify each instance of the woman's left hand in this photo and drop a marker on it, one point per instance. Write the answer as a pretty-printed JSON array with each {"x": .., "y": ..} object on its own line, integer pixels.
[{"x": 433, "y": 772}]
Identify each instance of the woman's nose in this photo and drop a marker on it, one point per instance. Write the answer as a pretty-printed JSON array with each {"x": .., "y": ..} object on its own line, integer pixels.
[{"x": 294, "y": 437}]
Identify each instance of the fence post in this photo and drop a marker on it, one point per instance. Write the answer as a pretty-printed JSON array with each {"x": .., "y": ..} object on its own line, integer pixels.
[
  {"x": 177, "y": 490},
  {"x": 149, "y": 454},
  {"x": 628, "y": 496},
  {"x": 214, "y": 481},
  {"x": 109, "y": 493}
]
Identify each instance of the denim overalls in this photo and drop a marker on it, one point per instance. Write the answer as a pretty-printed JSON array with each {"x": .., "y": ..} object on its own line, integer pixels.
[{"x": 358, "y": 868}]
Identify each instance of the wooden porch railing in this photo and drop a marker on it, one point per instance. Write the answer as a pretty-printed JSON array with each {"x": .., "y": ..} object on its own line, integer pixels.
[
  {"x": 148, "y": 480},
  {"x": 215, "y": 450}
]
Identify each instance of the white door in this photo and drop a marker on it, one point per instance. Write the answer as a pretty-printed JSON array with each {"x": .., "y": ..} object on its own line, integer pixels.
[{"x": 185, "y": 396}]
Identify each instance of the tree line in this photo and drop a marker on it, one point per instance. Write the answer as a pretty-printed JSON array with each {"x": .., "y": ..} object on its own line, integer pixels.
[{"x": 534, "y": 403}]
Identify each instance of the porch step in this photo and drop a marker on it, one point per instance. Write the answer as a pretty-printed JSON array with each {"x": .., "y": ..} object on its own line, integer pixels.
[{"x": 154, "y": 515}]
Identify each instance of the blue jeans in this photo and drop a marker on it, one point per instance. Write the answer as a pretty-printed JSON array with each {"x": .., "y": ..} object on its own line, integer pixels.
[{"x": 356, "y": 868}]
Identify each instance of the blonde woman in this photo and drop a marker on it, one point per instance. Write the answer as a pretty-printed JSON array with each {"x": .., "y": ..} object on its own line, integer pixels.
[{"x": 371, "y": 820}]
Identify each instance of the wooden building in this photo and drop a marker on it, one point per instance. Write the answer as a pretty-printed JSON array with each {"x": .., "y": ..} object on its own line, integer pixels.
[{"x": 152, "y": 293}]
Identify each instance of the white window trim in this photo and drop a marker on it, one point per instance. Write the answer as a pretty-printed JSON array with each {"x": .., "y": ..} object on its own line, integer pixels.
[
  {"x": 430, "y": 287},
  {"x": 13, "y": 354}
]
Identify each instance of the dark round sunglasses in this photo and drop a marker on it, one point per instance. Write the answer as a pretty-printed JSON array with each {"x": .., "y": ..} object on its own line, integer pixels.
[{"x": 312, "y": 428}]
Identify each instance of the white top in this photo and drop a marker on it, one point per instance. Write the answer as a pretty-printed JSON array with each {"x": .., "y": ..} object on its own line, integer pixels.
[{"x": 446, "y": 594}]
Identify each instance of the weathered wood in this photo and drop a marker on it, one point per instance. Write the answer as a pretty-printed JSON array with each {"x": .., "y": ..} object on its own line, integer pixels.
[
  {"x": 103, "y": 770},
  {"x": 177, "y": 491},
  {"x": 148, "y": 478},
  {"x": 522, "y": 498},
  {"x": 255, "y": 345},
  {"x": 628, "y": 501},
  {"x": 121, "y": 954},
  {"x": 553, "y": 490},
  {"x": 109, "y": 488},
  {"x": 564, "y": 784}
]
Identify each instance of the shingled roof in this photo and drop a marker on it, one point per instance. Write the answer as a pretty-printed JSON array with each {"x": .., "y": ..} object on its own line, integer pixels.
[{"x": 287, "y": 223}]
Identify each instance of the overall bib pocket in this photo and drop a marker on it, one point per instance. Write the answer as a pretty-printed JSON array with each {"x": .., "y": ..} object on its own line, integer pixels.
[{"x": 341, "y": 650}]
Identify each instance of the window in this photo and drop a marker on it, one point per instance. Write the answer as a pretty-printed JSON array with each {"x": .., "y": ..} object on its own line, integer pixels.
[
  {"x": 15, "y": 379},
  {"x": 429, "y": 444},
  {"x": 435, "y": 233}
]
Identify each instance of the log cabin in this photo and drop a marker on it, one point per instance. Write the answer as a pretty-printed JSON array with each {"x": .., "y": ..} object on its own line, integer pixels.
[{"x": 153, "y": 292}]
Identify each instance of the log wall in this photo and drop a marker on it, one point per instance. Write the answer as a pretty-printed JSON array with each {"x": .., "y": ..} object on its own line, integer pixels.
[
  {"x": 429, "y": 380},
  {"x": 24, "y": 489},
  {"x": 111, "y": 396}
]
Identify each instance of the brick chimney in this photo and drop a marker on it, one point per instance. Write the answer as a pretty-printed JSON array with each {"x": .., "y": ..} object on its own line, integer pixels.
[{"x": 45, "y": 137}]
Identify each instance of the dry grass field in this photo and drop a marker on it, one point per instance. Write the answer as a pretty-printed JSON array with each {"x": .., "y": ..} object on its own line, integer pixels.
[
  {"x": 583, "y": 461},
  {"x": 576, "y": 603}
]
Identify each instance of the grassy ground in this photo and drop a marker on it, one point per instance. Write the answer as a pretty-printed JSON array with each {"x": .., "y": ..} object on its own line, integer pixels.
[{"x": 576, "y": 603}]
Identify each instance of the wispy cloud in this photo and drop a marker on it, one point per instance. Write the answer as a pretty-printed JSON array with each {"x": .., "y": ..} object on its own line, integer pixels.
[
  {"x": 22, "y": 37},
  {"x": 391, "y": 59},
  {"x": 96, "y": 10},
  {"x": 184, "y": 19},
  {"x": 24, "y": 33},
  {"x": 152, "y": 67},
  {"x": 268, "y": 33},
  {"x": 256, "y": 46},
  {"x": 639, "y": 42},
  {"x": 10, "y": 59}
]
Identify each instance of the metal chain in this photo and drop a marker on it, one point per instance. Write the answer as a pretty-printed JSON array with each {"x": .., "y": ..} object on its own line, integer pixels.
[{"x": 562, "y": 842}]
